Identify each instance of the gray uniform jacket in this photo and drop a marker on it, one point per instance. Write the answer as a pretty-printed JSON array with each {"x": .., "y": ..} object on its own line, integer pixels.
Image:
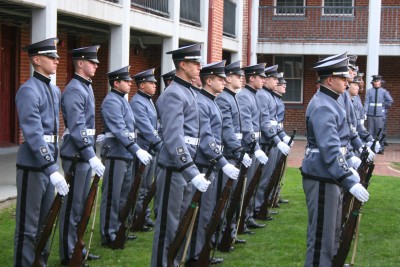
[
  {"x": 327, "y": 132},
  {"x": 210, "y": 131},
  {"x": 146, "y": 121},
  {"x": 231, "y": 123},
  {"x": 359, "y": 112},
  {"x": 179, "y": 118},
  {"x": 355, "y": 140},
  {"x": 376, "y": 100},
  {"x": 34, "y": 99},
  {"x": 280, "y": 114},
  {"x": 250, "y": 115},
  {"x": 78, "y": 106},
  {"x": 268, "y": 118},
  {"x": 118, "y": 122}
]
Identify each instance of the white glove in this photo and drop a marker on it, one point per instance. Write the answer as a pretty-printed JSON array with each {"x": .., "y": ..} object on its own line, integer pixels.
[
  {"x": 354, "y": 162},
  {"x": 371, "y": 155},
  {"x": 200, "y": 182},
  {"x": 97, "y": 166},
  {"x": 284, "y": 148},
  {"x": 286, "y": 139},
  {"x": 247, "y": 160},
  {"x": 260, "y": 155},
  {"x": 59, "y": 183},
  {"x": 359, "y": 192},
  {"x": 231, "y": 171},
  {"x": 100, "y": 138},
  {"x": 377, "y": 147},
  {"x": 355, "y": 173},
  {"x": 144, "y": 156}
]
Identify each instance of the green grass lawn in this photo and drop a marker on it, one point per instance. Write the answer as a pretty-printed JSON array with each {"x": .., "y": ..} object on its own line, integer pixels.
[{"x": 281, "y": 243}]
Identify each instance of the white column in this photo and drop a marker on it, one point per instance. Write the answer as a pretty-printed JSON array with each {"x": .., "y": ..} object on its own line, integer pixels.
[
  {"x": 170, "y": 43},
  {"x": 44, "y": 25},
  {"x": 119, "y": 40},
  {"x": 254, "y": 31},
  {"x": 374, "y": 32},
  {"x": 239, "y": 32}
]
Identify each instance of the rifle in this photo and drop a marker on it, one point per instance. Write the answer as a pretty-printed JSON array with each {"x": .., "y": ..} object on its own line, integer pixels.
[
  {"x": 226, "y": 240},
  {"x": 204, "y": 257},
  {"x": 273, "y": 184},
  {"x": 251, "y": 189},
  {"x": 186, "y": 221},
  {"x": 45, "y": 231},
  {"x": 349, "y": 227},
  {"x": 138, "y": 222},
  {"x": 362, "y": 170},
  {"x": 76, "y": 258},
  {"x": 129, "y": 205}
]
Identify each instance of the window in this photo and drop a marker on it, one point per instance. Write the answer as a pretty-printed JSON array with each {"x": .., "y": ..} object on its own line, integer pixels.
[
  {"x": 289, "y": 7},
  {"x": 292, "y": 67},
  {"x": 338, "y": 7}
]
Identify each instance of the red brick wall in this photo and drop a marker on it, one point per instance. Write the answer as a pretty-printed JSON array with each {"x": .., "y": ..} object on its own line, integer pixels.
[
  {"x": 245, "y": 33},
  {"x": 215, "y": 27}
]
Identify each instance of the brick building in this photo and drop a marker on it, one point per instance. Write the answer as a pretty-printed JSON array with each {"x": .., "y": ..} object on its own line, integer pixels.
[{"x": 138, "y": 33}]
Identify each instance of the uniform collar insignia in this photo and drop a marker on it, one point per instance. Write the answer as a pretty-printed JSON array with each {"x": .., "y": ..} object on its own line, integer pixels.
[
  {"x": 328, "y": 92},
  {"x": 229, "y": 91},
  {"x": 82, "y": 80},
  {"x": 144, "y": 94},
  {"x": 115, "y": 91},
  {"x": 41, "y": 77},
  {"x": 251, "y": 89}
]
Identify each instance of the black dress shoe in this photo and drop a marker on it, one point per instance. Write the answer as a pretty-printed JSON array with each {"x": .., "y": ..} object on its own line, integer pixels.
[
  {"x": 146, "y": 229},
  {"x": 149, "y": 223},
  {"x": 251, "y": 223},
  {"x": 283, "y": 201},
  {"x": 131, "y": 237},
  {"x": 269, "y": 218},
  {"x": 247, "y": 231},
  {"x": 276, "y": 205},
  {"x": 239, "y": 241},
  {"x": 216, "y": 261},
  {"x": 273, "y": 212},
  {"x": 91, "y": 257}
]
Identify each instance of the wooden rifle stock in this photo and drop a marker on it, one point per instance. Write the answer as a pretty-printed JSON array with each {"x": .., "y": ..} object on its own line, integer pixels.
[
  {"x": 349, "y": 227},
  {"x": 47, "y": 227},
  {"x": 76, "y": 258},
  {"x": 251, "y": 189},
  {"x": 130, "y": 203},
  {"x": 204, "y": 257},
  {"x": 273, "y": 184},
  {"x": 184, "y": 223}
]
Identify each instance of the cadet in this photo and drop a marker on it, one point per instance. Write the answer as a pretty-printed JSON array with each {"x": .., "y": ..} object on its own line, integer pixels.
[
  {"x": 146, "y": 120},
  {"x": 231, "y": 123},
  {"x": 270, "y": 133},
  {"x": 210, "y": 147},
  {"x": 78, "y": 108},
  {"x": 376, "y": 100},
  {"x": 250, "y": 115},
  {"x": 324, "y": 169},
  {"x": 120, "y": 138},
  {"x": 179, "y": 118},
  {"x": 38, "y": 106},
  {"x": 168, "y": 78}
]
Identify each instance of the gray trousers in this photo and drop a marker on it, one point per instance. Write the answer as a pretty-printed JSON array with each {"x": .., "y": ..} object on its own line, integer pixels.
[
  {"x": 174, "y": 196},
  {"x": 267, "y": 171},
  {"x": 324, "y": 204},
  {"x": 115, "y": 189},
  {"x": 206, "y": 208},
  {"x": 35, "y": 194},
  {"x": 374, "y": 123},
  {"x": 71, "y": 209},
  {"x": 147, "y": 180}
]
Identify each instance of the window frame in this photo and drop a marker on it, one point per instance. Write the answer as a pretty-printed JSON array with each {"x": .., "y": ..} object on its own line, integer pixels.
[
  {"x": 301, "y": 100},
  {"x": 289, "y": 14},
  {"x": 338, "y": 14}
]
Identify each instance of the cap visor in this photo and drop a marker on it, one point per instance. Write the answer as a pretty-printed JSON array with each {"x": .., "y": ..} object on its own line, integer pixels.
[{"x": 95, "y": 60}]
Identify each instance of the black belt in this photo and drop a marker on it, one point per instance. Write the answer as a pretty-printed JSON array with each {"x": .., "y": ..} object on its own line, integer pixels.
[{"x": 169, "y": 168}]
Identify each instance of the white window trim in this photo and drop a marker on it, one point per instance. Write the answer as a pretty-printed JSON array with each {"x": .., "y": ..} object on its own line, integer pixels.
[
  {"x": 335, "y": 15},
  {"x": 289, "y": 14},
  {"x": 301, "y": 78}
]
